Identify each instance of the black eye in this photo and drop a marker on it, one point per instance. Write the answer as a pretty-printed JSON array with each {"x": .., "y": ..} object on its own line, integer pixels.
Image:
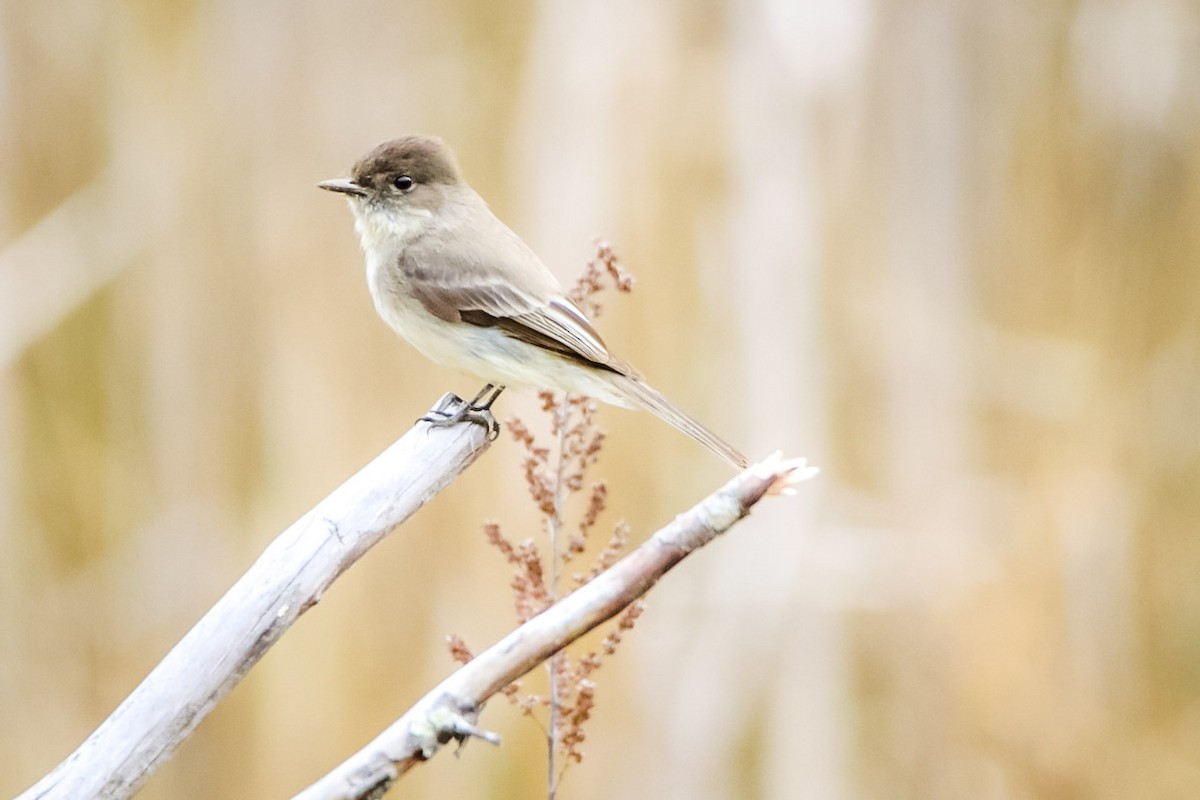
[{"x": 403, "y": 182}]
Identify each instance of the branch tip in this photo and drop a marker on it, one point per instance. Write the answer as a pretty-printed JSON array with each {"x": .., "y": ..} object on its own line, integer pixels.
[{"x": 784, "y": 473}]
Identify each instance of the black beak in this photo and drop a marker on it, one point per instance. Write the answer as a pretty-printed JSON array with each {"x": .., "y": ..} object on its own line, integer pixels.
[{"x": 343, "y": 185}]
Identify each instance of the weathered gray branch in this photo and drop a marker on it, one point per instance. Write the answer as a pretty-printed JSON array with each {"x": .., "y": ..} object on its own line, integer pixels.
[
  {"x": 449, "y": 711},
  {"x": 287, "y": 579}
]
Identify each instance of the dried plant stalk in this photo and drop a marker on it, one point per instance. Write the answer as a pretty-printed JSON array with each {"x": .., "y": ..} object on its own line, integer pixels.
[{"x": 553, "y": 474}]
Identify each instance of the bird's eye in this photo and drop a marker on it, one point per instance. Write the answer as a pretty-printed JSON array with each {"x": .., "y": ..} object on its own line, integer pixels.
[{"x": 403, "y": 182}]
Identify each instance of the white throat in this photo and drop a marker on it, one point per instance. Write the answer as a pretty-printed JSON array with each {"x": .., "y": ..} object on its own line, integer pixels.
[{"x": 387, "y": 229}]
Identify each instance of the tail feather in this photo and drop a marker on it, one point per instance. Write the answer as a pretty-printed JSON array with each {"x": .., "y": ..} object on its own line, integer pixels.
[{"x": 643, "y": 396}]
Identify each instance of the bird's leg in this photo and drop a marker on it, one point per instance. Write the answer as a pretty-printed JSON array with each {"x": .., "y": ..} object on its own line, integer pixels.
[
  {"x": 449, "y": 418},
  {"x": 486, "y": 405},
  {"x": 477, "y": 410}
]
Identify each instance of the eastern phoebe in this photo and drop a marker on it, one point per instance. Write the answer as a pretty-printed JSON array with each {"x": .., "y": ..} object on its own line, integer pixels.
[{"x": 462, "y": 288}]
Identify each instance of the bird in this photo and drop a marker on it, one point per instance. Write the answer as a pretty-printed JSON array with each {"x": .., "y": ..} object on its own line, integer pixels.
[{"x": 466, "y": 291}]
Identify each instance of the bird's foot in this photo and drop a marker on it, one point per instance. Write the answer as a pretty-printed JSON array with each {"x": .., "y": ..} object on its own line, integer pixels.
[{"x": 478, "y": 411}]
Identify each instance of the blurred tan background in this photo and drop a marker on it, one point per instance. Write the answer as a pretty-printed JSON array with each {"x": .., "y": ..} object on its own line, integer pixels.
[{"x": 948, "y": 251}]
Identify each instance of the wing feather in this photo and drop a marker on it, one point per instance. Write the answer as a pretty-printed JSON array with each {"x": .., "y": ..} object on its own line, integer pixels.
[{"x": 506, "y": 287}]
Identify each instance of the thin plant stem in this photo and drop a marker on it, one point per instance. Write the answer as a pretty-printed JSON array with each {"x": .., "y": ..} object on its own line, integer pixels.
[{"x": 561, "y": 414}]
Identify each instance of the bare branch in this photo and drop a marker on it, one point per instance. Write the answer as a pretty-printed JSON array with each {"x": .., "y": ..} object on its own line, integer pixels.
[
  {"x": 450, "y": 710},
  {"x": 287, "y": 579}
]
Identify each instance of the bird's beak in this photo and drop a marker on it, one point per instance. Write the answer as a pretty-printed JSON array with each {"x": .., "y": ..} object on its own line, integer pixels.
[{"x": 344, "y": 185}]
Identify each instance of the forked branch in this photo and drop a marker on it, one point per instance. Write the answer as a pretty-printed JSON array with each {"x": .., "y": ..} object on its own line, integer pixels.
[{"x": 449, "y": 712}]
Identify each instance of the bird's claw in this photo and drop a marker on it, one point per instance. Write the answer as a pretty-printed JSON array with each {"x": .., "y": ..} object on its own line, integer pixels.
[{"x": 478, "y": 411}]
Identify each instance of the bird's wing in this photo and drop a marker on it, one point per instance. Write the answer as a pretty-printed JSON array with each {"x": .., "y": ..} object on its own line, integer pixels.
[{"x": 506, "y": 287}]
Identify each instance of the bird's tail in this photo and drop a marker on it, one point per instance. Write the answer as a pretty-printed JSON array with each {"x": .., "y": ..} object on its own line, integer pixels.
[{"x": 642, "y": 396}]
